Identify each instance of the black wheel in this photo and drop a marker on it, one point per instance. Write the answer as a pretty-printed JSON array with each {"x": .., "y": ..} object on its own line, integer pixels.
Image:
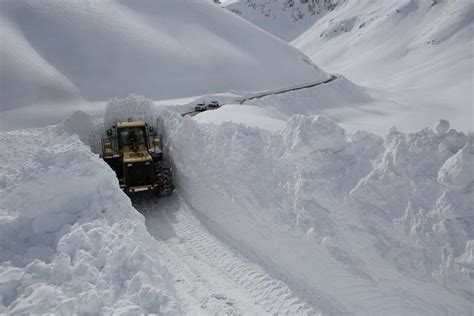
[{"x": 163, "y": 174}]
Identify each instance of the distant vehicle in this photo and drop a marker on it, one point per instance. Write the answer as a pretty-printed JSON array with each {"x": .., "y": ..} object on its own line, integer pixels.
[
  {"x": 200, "y": 107},
  {"x": 214, "y": 105}
]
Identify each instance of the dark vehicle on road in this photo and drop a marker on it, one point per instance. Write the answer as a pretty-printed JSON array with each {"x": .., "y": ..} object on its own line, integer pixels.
[{"x": 214, "y": 105}]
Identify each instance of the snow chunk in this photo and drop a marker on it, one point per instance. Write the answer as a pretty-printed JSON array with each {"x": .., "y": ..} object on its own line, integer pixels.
[
  {"x": 305, "y": 134},
  {"x": 458, "y": 171},
  {"x": 81, "y": 124},
  {"x": 133, "y": 106},
  {"x": 467, "y": 258},
  {"x": 442, "y": 126}
]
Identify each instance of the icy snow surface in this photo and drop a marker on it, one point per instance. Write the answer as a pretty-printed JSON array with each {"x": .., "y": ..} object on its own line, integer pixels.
[{"x": 70, "y": 240}]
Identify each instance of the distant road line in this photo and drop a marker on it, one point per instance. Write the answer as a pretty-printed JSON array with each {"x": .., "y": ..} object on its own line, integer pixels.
[{"x": 272, "y": 92}]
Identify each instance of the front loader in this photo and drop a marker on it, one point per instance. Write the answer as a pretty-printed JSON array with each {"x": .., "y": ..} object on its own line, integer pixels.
[{"x": 133, "y": 149}]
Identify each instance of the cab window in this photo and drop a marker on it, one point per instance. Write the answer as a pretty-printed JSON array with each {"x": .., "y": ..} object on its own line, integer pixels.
[{"x": 131, "y": 136}]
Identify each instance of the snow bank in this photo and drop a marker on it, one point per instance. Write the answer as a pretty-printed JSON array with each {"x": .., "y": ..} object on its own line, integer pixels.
[
  {"x": 456, "y": 172},
  {"x": 341, "y": 218},
  {"x": 70, "y": 240},
  {"x": 423, "y": 183},
  {"x": 85, "y": 127},
  {"x": 133, "y": 106},
  {"x": 311, "y": 101},
  {"x": 244, "y": 114}
]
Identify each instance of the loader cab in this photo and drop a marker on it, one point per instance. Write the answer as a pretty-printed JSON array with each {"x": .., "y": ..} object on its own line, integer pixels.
[{"x": 131, "y": 135}]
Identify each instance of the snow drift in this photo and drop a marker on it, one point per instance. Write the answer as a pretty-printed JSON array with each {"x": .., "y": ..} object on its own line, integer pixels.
[
  {"x": 60, "y": 51},
  {"x": 70, "y": 240}
]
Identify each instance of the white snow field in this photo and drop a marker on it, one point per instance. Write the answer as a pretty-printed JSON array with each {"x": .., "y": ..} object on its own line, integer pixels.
[
  {"x": 70, "y": 241},
  {"x": 416, "y": 56},
  {"x": 65, "y": 53}
]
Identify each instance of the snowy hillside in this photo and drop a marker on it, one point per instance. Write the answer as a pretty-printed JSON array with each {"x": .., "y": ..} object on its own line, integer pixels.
[
  {"x": 95, "y": 50},
  {"x": 416, "y": 54},
  {"x": 287, "y": 19}
]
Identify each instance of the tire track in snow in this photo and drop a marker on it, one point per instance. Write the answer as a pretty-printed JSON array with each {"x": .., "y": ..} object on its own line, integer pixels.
[{"x": 208, "y": 273}]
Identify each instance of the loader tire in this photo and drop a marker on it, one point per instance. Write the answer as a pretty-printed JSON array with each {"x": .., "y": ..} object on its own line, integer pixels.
[{"x": 163, "y": 172}]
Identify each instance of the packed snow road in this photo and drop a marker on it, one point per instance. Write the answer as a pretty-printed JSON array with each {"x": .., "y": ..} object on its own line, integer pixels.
[{"x": 210, "y": 277}]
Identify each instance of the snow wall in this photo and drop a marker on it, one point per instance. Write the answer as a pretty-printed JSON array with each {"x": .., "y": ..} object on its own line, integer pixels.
[
  {"x": 341, "y": 218},
  {"x": 70, "y": 240}
]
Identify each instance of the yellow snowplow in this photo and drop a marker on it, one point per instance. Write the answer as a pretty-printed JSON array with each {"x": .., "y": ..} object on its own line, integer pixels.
[{"x": 133, "y": 149}]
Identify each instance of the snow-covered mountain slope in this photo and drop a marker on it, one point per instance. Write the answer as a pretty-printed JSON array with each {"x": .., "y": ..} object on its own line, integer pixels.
[
  {"x": 418, "y": 54},
  {"x": 70, "y": 241},
  {"x": 95, "y": 50},
  {"x": 286, "y": 19},
  {"x": 420, "y": 50}
]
